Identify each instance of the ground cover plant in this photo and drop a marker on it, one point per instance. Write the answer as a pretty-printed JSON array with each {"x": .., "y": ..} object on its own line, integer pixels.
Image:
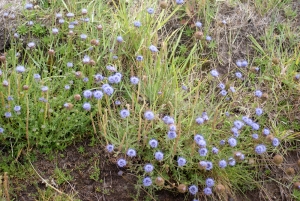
[{"x": 198, "y": 98}]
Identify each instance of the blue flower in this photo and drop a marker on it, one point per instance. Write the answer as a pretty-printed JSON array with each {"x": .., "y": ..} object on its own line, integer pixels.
[
  {"x": 181, "y": 161},
  {"x": 172, "y": 135},
  {"x": 87, "y": 106},
  {"x": 234, "y": 130},
  {"x": 214, "y": 73},
  {"x": 239, "y": 75},
  {"x": 117, "y": 102},
  {"x": 258, "y": 93},
  {"x": 29, "y": 6},
  {"x": 209, "y": 165},
  {"x": 148, "y": 167},
  {"x": 139, "y": 58},
  {"x": 121, "y": 162},
  {"x": 83, "y": 36},
  {"x": 172, "y": 127},
  {"x": 238, "y": 124},
  {"x": 124, "y": 113},
  {"x": 20, "y": 69},
  {"x": 238, "y": 63},
  {"x": 134, "y": 80},
  {"x": 17, "y": 108},
  {"x": 207, "y": 191},
  {"x": 223, "y": 92},
  {"x": 202, "y": 151},
  {"x": 193, "y": 189},
  {"x": 120, "y": 39},
  {"x": 67, "y": 87},
  {"x": 255, "y": 126},
  {"x": 222, "y": 142},
  {"x": 198, "y": 24},
  {"x": 209, "y": 182},
  {"x": 215, "y": 150},
  {"x": 7, "y": 114},
  {"x": 1, "y": 130},
  {"x": 88, "y": 94},
  {"x": 255, "y": 136},
  {"x": 244, "y": 63},
  {"x": 179, "y": 2},
  {"x": 107, "y": 89},
  {"x": 266, "y": 131},
  {"x": 150, "y": 10},
  {"x": 258, "y": 111},
  {"x": 222, "y": 85},
  {"x": 137, "y": 24},
  {"x": 98, "y": 94},
  {"x": 232, "y": 142},
  {"x": 275, "y": 142},
  {"x": 222, "y": 163},
  {"x": 152, "y": 48},
  {"x": 86, "y": 79},
  {"x": 37, "y": 77},
  {"x": 208, "y": 38},
  {"x": 147, "y": 181},
  {"x": 231, "y": 162},
  {"x": 149, "y": 115},
  {"x": 159, "y": 156},
  {"x": 199, "y": 120},
  {"x": 110, "y": 148},
  {"x": 232, "y": 89},
  {"x": 199, "y": 139},
  {"x": 168, "y": 120},
  {"x": 260, "y": 149},
  {"x": 131, "y": 152},
  {"x": 153, "y": 143}
]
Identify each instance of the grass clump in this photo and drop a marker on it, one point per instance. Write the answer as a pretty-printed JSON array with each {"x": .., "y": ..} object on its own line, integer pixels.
[{"x": 153, "y": 94}]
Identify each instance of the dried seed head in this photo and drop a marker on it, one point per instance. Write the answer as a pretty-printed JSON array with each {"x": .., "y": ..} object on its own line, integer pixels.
[
  {"x": 95, "y": 42},
  {"x": 2, "y": 58},
  {"x": 99, "y": 27},
  {"x": 277, "y": 159},
  {"x": 297, "y": 185},
  {"x": 163, "y": 4},
  {"x": 265, "y": 96},
  {"x": 290, "y": 171},
  {"x": 92, "y": 62},
  {"x": 159, "y": 181},
  {"x": 78, "y": 74},
  {"x": 220, "y": 188},
  {"x": 275, "y": 61},
  {"x": 198, "y": 34},
  {"x": 25, "y": 87},
  {"x": 270, "y": 138},
  {"x": 51, "y": 52},
  {"x": 77, "y": 97},
  {"x": 182, "y": 188},
  {"x": 68, "y": 106},
  {"x": 298, "y": 163}
]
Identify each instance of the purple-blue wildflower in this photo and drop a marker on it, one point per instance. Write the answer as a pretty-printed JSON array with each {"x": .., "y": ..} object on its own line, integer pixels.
[
  {"x": 98, "y": 77},
  {"x": 275, "y": 142},
  {"x": 153, "y": 143},
  {"x": 120, "y": 39},
  {"x": 234, "y": 130},
  {"x": 149, "y": 115},
  {"x": 85, "y": 79},
  {"x": 87, "y": 106},
  {"x": 117, "y": 102},
  {"x": 239, "y": 75},
  {"x": 121, "y": 162},
  {"x": 205, "y": 116},
  {"x": 131, "y": 152},
  {"x": 215, "y": 150},
  {"x": 209, "y": 165},
  {"x": 139, "y": 58},
  {"x": 7, "y": 114},
  {"x": 222, "y": 163},
  {"x": 20, "y": 69},
  {"x": 258, "y": 111},
  {"x": 124, "y": 113},
  {"x": 232, "y": 142},
  {"x": 137, "y": 24},
  {"x": 198, "y": 24},
  {"x": 107, "y": 89},
  {"x": 168, "y": 120},
  {"x": 1, "y": 130},
  {"x": 150, "y": 10},
  {"x": 152, "y": 48},
  {"x": 88, "y": 94},
  {"x": 134, "y": 80},
  {"x": 202, "y": 151},
  {"x": 37, "y": 77},
  {"x": 159, "y": 156},
  {"x": 258, "y": 93},
  {"x": 110, "y": 148},
  {"x": 193, "y": 189},
  {"x": 232, "y": 89},
  {"x": 260, "y": 149},
  {"x": 255, "y": 126},
  {"x": 214, "y": 73},
  {"x": 172, "y": 135},
  {"x": 199, "y": 120},
  {"x": 147, "y": 181},
  {"x": 83, "y": 36},
  {"x": 67, "y": 87},
  {"x": 179, "y": 2},
  {"x": 255, "y": 136},
  {"x": 181, "y": 161},
  {"x": 231, "y": 162},
  {"x": 222, "y": 85},
  {"x": 266, "y": 131},
  {"x": 208, "y": 38},
  {"x": 98, "y": 94},
  {"x": 222, "y": 142},
  {"x": 244, "y": 63},
  {"x": 238, "y": 124},
  {"x": 207, "y": 191},
  {"x": 172, "y": 127},
  {"x": 209, "y": 182},
  {"x": 17, "y": 108},
  {"x": 44, "y": 88},
  {"x": 238, "y": 63},
  {"x": 223, "y": 92},
  {"x": 148, "y": 167}
]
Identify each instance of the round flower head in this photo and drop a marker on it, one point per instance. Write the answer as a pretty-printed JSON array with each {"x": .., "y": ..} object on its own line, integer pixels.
[
  {"x": 244, "y": 63},
  {"x": 168, "y": 120},
  {"x": 108, "y": 90},
  {"x": 44, "y": 88},
  {"x": 209, "y": 182},
  {"x": 7, "y": 114},
  {"x": 198, "y": 24},
  {"x": 179, "y": 2},
  {"x": 121, "y": 162},
  {"x": 37, "y": 77},
  {"x": 258, "y": 93},
  {"x": 260, "y": 149},
  {"x": 134, "y": 80},
  {"x": 148, "y": 168},
  {"x": 208, "y": 38},
  {"x": 98, "y": 94},
  {"x": 147, "y": 181},
  {"x": 232, "y": 142},
  {"x": 88, "y": 94},
  {"x": 159, "y": 156},
  {"x": 1, "y": 130},
  {"x": 172, "y": 135},
  {"x": 55, "y": 31},
  {"x": 214, "y": 73},
  {"x": 255, "y": 126},
  {"x": 222, "y": 142},
  {"x": 149, "y": 115},
  {"x": 61, "y": 21},
  {"x": 239, "y": 75},
  {"x": 275, "y": 142},
  {"x": 124, "y": 113},
  {"x": 83, "y": 36},
  {"x": 110, "y": 148},
  {"x": 202, "y": 151},
  {"x": 117, "y": 102},
  {"x": 87, "y": 106},
  {"x": 139, "y": 58},
  {"x": 231, "y": 162},
  {"x": 193, "y": 189},
  {"x": 137, "y": 24},
  {"x": 29, "y": 6},
  {"x": 172, "y": 127},
  {"x": 153, "y": 143},
  {"x": 67, "y": 87},
  {"x": 258, "y": 111},
  {"x": 152, "y": 48},
  {"x": 222, "y": 85},
  {"x": 199, "y": 120},
  {"x": 86, "y": 79},
  {"x": 266, "y": 131},
  {"x": 150, "y": 10},
  {"x": 86, "y": 59},
  {"x": 10, "y": 98},
  {"x": 203, "y": 165},
  {"x": 238, "y": 124},
  {"x": 234, "y": 130},
  {"x": 120, "y": 39},
  {"x": 209, "y": 165},
  {"x": 181, "y": 161},
  {"x": 255, "y": 136},
  {"x": 70, "y": 15},
  {"x": 215, "y": 150},
  {"x": 232, "y": 89},
  {"x": 223, "y": 92},
  {"x": 197, "y": 138},
  {"x": 131, "y": 152},
  {"x": 239, "y": 63},
  {"x": 98, "y": 77},
  {"x": 205, "y": 116},
  {"x": 207, "y": 191},
  {"x": 17, "y": 108},
  {"x": 20, "y": 69},
  {"x": 222, "y": 163}
]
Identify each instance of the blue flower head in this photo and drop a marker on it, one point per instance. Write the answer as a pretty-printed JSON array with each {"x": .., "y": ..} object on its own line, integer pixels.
[
  {"x": 168, "y": 120},
  {"x": 193, "y": 189},
  {"x": 232, "y": 142},
  {"x": 199, "y": 120},
  {"x": 260, "y": 149},
  {"x": 202, "y": 151},
  {"x": 152, "y": 48},
  {"x": 120, "y": 39},
  {"x": 131, "y": 152},
  {"x": 108, "y": 89},
  {"x": 159, "y": 156},
  {"x": 198, "y": 24},
  {"x": 258, "y": 93},
  {"x": 231, "y": 162},
  {"x": 110, "y": 148},
  {"x": 148, "y": 167},
  {"x": 147, "y": 181},
  {"x": 215, "y": 150},
  {"x": 223, "y": 92},
  {"x": 124, "y": 113},
  {"x": 172, "y": 135},
  {"x": 1, "y": 130},
  {"x": 153, "y": 143},
  {"x": 134, "y": 80},
  {"x": 214, "y": 73},
  {"x": 17, "y": 108},
  {"x": 181, "y": 161},
  {"x": 239, "y": 75},
  {"x": 179, "y": 2},
  {"x": 238, "y": 124},
  {"x": 121, "y": 162},
  {"x": 222, "y": 163},
  {"x": 275, "y": 142},
  {"x": 139, "y": 58},
  {"x": 149, "y": 115},
  {"x": 255, "y": 136},
  {"x": 207, "y": 191},
  {"x": 87, "y": 106},
  {"x": 87, "y": 94},
  {"x": 150, "y": 10},
  {"x": 209, "y": 165},
  {"x": 209, "y": 182},
  {"x": 266, "y": 131},
  {"x": 258, "y": 111},
  {"x": 137, "y": 24},
  {"x": 98, "y": 94}
]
